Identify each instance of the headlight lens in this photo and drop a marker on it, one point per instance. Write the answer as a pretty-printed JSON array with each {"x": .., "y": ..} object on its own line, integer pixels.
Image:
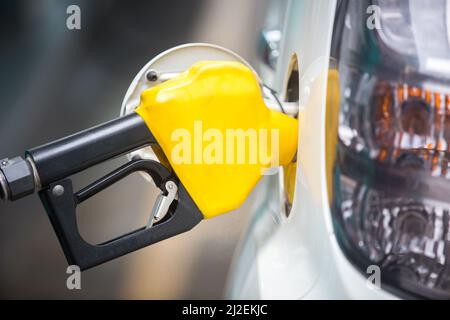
[{"x": 391, "y": 176}]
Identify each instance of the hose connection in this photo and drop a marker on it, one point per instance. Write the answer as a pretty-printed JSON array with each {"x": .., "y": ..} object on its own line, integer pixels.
[{"x": 16, "y": 179}]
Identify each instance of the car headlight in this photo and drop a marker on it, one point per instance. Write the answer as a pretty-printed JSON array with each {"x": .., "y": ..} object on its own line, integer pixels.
[{"x": 391, "y": 174}]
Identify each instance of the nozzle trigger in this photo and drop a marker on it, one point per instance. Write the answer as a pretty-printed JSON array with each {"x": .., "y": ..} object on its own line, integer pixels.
[{"x": 60, "y": 202}]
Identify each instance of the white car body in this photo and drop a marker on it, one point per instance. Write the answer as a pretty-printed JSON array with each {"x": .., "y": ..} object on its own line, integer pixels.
[{"x": 298, "y": 257}]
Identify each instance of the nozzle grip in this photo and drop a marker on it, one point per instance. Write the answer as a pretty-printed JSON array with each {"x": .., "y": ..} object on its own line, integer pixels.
[{"x": 67, "y": 156}]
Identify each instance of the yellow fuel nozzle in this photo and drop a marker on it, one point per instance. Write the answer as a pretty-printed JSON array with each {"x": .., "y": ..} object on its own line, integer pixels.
[
  {"x": 210, "y": 123},
  {"x": 214, "y": 128}
]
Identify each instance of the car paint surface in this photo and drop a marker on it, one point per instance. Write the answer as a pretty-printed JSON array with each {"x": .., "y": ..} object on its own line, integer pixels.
[{"x": 298, "y": 257}]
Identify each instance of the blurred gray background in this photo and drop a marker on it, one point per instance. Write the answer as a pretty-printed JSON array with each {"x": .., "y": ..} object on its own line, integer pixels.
[{"x": 56, "y": 82}]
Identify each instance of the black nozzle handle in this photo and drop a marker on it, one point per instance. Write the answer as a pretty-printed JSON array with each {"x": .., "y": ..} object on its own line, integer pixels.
[{"x": 62, "y": 158}]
